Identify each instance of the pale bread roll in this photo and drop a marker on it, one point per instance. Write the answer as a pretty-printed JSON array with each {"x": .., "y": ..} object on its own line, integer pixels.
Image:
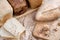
[
  {"x": 49, "y": 15},
  {"x": 6, "y": 10},
  {"x": 14, "y": 27},
  {"x": 5, "y": 34},
  {"x": 49, "y": 10}
]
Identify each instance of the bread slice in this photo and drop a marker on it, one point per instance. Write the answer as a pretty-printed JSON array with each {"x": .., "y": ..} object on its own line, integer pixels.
[
  {"x": 14, "y": 27},
  {"x": 48, "y": 10},
  {"x": 6, "y": 10},
  {"x": 5, "y": 34}
]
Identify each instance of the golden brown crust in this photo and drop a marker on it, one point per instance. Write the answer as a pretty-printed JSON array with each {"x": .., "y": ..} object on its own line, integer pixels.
[{"x": 35, "y": 3}]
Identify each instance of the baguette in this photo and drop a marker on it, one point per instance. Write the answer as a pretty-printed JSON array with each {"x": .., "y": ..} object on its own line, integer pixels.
[
  {"x": 49, "y": 15},
  {"x": 19, "y": 6}
]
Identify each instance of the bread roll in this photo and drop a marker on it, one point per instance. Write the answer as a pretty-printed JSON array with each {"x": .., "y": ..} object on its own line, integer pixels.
[
  {"x": 49, "y": 15},
  {"x": 48, "y": 11},
  {"x": 35, "y": 3},
  {"x": 6, "y": 11},
  {"x": 19, "y": 6}
]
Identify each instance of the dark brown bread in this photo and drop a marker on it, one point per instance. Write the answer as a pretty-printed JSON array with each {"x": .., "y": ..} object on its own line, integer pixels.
[{"x": 19, "y": 6}]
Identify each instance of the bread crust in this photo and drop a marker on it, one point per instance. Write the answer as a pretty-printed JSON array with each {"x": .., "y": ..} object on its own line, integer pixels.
[{"x": 35, "y": 3}]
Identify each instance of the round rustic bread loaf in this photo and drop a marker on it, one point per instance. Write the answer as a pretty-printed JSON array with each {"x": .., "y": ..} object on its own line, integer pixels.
[
  {"x": 35, "y": 3},
  {"x": 19, "y": 6}
]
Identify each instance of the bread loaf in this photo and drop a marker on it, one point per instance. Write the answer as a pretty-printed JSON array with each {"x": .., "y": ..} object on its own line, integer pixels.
[
  {"x": 35, "y": 3},
  {"x": 19, "y": 6},
  {"x": 49, "y": 15},
  {"x": 48, "y": 11}
]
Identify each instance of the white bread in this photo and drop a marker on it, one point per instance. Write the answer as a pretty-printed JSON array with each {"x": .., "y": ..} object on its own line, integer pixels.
[
  {"x": 5, "y": 34},
  {"x": 14, "y": 27},
  {"x": 48, "y": 11},
  {"x": 6, "y": 10}
]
